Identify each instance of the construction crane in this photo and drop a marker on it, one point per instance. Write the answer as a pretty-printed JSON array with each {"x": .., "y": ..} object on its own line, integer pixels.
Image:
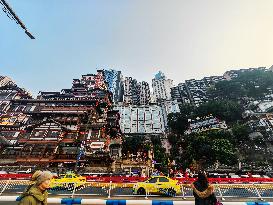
[{"x": 11, "y": 14}]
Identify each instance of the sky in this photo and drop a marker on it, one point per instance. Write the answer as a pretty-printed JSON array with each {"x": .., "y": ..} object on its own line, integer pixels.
[{"x": 184, "y": 39}]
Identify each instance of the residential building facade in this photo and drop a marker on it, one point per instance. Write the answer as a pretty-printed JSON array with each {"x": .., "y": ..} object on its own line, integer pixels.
[
  {"x": 141, "y": 119},
  {"x": 114, "y": 81},
  {"x": 162, "y": 87}
]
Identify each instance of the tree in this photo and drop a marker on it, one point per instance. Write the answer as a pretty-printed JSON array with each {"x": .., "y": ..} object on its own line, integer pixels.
[
  {"x": 133, "y": 144},
  {"x": 160, "y": 155},
  {"x": 227, "y": 110},
  {"x": 177, "y": 123},
  {"x": 251, "y": 84},
  {"x": 240, "y": 133},
  {"x": 210, "y": 146},
  {"x": 223, "y": 151}
]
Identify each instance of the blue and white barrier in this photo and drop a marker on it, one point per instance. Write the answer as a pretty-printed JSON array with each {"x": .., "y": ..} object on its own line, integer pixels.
[{"x": 71, "y": 201}]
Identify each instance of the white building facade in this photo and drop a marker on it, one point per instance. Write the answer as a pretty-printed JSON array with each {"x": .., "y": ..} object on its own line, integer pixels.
[
  {"x": 167, "y": 107},
  {"x": 141, "y": 119},
  {"x": 162, "y": 86}
]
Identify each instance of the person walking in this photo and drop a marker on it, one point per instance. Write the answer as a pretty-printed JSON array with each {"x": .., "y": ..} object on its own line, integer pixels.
[
  {"x": 203, "y": 191},
  {"x": 35, "y": 193}
]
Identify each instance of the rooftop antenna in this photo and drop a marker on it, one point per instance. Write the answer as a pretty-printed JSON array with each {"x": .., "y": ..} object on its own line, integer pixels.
[{"x": 11, "y": 14}]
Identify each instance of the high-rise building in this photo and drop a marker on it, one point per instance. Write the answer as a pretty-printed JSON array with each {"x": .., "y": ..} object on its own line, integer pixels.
[
  {"x": 229, "y": 75},
  {"x": 114, "y": 80},
  {"x": 130, "y": 91},
  {"x": 162, "y": 86},
  {"x": 144, "y": 93},
  {"x": 194, "y": 91},
  {"x": 136, "y": 93},
  {"x": 179, "y": 93}
]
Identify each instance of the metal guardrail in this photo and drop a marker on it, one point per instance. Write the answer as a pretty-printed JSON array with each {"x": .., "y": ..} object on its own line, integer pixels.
[
  {"x": 111, "y": 190},
  {"x": 71, "y": 201},
  {"x": 122, "y": 179}
]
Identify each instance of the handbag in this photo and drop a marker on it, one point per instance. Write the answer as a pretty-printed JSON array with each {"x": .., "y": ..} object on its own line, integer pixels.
[{"x": 218, "y": 203}]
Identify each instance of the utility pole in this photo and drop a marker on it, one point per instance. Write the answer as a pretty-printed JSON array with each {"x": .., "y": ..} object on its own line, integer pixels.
[{"x": 11, "y": 14}]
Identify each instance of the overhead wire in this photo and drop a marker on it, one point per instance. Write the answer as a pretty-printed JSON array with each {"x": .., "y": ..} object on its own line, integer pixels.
[{"x": 11, "y": 15}]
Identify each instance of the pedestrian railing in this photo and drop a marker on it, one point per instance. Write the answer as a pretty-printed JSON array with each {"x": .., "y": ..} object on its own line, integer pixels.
[
  {"x": 72, "y": 201},
  {"x": 110, "y": 190}
]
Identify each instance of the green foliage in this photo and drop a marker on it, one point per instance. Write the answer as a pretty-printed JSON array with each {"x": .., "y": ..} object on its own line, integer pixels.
[
  {"x": 227, "y": 110},
  {"x": 211, "y": 146},
  {"x": 172, "y": 139},
  {"x": 252, "y": 84},
  {"x": 133, "y": 144},
  {"x": 156, "y": 140},
  {"x": 137, "y": 143},
  {"x": 240, "y": 133},
  {"x": 223, "y": 151},
  {"x": 177, "y": 122},
  {"x": 160, "y": 155},
  {"x": 198, "y": 146},
  {"x": 224, "y": 146}
]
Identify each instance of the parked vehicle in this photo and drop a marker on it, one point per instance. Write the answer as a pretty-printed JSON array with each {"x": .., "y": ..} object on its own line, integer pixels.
[
  {"x": 158, "y": 185},
  {"x": 68, "y": 181}
]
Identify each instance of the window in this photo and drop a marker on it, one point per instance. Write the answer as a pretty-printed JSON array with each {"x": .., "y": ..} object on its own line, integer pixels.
[
  {"x": 163, "y": 179},
  {"x": 152, "y": 180}
]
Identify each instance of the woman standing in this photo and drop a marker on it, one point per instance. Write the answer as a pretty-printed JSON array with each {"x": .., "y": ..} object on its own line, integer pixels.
[
  {"x": 35, "y": 193},
  {"x": 203, "y": 191}
]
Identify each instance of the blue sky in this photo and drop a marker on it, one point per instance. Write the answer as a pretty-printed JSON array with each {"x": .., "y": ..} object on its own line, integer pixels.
[{"x": 184, "y": 39}]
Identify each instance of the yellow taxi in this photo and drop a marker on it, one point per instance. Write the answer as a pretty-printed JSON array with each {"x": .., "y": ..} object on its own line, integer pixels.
[
  {"x": 7, "y": 121},
  {"x": 68, "y": 181},
  {"x": 157, "y": 185}
]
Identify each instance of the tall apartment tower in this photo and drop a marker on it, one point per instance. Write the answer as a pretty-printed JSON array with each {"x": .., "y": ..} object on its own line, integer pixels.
[
  {"x": 136, "y": 93},
  {"x": 130, "y": 91},
  {"x": 162, "y": 87},
  {"x": 114, "y": 80},
  {"x": 144, "y": 93}
]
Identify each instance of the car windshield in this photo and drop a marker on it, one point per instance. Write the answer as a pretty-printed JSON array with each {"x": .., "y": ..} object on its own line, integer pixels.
[
  {"x": 61, "y": 176},
  {"x": 152, "y": 180},
  {"x": 163, "y": 179}
]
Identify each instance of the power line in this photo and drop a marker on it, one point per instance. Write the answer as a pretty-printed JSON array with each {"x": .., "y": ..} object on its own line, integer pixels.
[{"x": 11, "y": 14}]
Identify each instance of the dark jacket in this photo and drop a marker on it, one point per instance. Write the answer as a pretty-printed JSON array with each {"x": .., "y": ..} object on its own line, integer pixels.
[
  {"x": 33, "y": 196},
  {"x": 203, "y": 194}
]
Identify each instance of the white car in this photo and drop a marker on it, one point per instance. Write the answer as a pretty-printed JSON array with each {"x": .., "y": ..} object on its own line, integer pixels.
[
  {"x": 256, "y": 176},
  {"x": 28, "y": 171},
  {"x": 234, "y": 176},
  {"x": 178, "y": 176},
  {"x": 265, "y": 176}
]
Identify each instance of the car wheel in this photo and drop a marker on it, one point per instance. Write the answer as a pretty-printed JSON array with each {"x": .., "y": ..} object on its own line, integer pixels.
[
  {"x": 141, "y": 191},
  {"x": 70, "y": 186},
  {"x": 171, "y": 192}
]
